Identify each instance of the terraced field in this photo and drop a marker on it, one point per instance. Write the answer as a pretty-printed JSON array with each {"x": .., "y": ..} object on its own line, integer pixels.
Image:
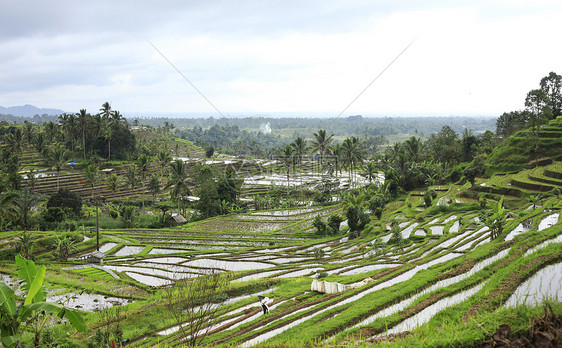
[{"x": 446, "y": 267}]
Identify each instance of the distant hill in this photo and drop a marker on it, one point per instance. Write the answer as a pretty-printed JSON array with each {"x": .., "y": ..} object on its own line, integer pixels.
[{"x": 28, "y": 111}]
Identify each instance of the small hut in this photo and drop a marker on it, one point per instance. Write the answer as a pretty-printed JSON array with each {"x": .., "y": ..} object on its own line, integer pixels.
[{"x": 95, "y": 257}]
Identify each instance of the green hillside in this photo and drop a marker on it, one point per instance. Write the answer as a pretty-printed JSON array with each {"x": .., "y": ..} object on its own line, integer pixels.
[{"x": 526, "y": 146}]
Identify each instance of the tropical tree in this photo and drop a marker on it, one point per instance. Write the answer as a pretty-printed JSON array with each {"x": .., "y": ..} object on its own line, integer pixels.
[
  {"x": 24, "y": 203},
  {"x": 495, "y": 218},
  {"x": 413, "y": 147},
  {"x": 8, "y": 210},
  {"x": 92, "y": 176},
  {"x": 31, "y": 177},
  {"x": 64, "y": 245},
  {"x": 28, "y": 132},
  {"x": 83, "y": 118},
  {"x": 16, "y": 316},
  {"x": 370, "y": 171},
  {"x": 178, "y": 180},
  {"x": 154, "y": 186},
  {"x": 286, "y": 157},
  {"x": 57, "y": 158},
  {"x": 39, "y": 142},
  {"x": 50, "y": 131},
  {"x": 551, "y": 85},
  {"x": 320, "y": 143},
  {"x": 300, "y": 148},
  {"x": 354, "y": 154},
  {"x": 113, "y": 182},
  {"x": 14, "y": 141},
  {"x": 131, "y": 178},
  {"x": 164, "y": 159}
]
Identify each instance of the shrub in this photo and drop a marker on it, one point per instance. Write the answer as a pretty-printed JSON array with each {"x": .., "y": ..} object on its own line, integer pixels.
[{"x": 66, "y": 200}]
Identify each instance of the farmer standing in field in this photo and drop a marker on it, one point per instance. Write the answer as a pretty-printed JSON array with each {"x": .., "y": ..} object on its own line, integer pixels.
[{"x": 263, "y": 302}]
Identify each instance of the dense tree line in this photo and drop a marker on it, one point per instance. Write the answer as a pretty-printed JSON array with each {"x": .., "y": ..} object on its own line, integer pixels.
[{"x": 541, "y": 105}]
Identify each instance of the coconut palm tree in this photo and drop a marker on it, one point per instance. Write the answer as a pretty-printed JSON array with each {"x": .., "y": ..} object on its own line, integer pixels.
[
  {"x": 57, "y": 158},
  {"x": 143, "y": 165},
  {"x": 300, "y": 148},
  {"x": 164, "y": 159},
  {"x": 178, "y": 180},
  {"x": 7, "y": 207},
  {"x": 50, "y": 131},
  {"x": 113, "y": 182},
  {"x": 320, "y": 143},
  {"x": 413, "y": 147},
  {"x": 14, "y": 141},
  {"x": 24, "y": 202},
  {"x": 83, "y": 118},
  {"x": 370, "y": 171},
  {"x": 92, "y": 175},
  {"x": 286, "y": 157},
  {"x": 131, "y": 178},
  {"x": 354, "y": 153}
]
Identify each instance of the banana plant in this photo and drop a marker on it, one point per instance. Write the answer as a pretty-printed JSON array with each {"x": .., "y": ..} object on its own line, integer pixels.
[
  {"x": 495, "y": 218},
  {"x": 16, "y": 316}
]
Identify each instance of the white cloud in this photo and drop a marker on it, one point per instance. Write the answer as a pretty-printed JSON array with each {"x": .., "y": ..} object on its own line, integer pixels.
[{"x": 477, "y": 57}]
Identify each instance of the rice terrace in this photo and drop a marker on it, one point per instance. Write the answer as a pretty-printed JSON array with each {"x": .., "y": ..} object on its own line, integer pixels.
[{"x": 433, "y": 221}]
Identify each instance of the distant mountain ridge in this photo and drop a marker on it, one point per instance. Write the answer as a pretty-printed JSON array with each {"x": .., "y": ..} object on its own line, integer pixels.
[{"x": 28, "y": 111}]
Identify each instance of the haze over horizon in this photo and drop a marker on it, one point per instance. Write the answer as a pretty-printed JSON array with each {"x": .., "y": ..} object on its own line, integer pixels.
[{"x": 470, "y": 58}]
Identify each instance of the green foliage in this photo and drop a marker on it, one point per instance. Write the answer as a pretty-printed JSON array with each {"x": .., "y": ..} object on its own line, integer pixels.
[
  {"x": 128, "y": 215},
  {"x": 66, "y": 200},
  {"x": 427, "y": 199},
  {"x": 17, "y": 317},
  {"x": 494, "y": 218}
]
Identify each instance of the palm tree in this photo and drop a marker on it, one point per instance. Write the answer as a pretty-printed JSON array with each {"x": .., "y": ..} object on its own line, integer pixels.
[
  {"x": 31, "y": 178},
  {"x": 105, "y": 110},
  {"x": 370, "y": 171},
  {"x": 92, "y": 175},
  {"x": 39, "y": 142},
  {"x": 320, "y": 143},
  {"x": 354, "y": 154},
  {"x": 131, "y": 178},
  {"x": 337, "y": 152},
  {"x": 113, "y": 182},
  {"x": 28, "y": 132},
  {"x": 154, "y": 186},
  {"x": 143, "y": 164},
  {"x": 287, "y": 158},
  {"x": 178, "y": 180},
  {"x": 57, "y": 158},
  {"x": 14, "y": 141},
  {"x": 24, "y": 202},
  {"x": 413, "y": 147},
  {"x": 7, "y": 207},
  {"x": 164, "y": 158},
  {"x": 50, "y": 131},
  {"x": 299, "y": 149},
  {"x": 83, "y": 118}
]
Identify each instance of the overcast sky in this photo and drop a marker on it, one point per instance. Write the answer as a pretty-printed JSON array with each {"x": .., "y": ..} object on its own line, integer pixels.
[{"x": 260, "y": 56}]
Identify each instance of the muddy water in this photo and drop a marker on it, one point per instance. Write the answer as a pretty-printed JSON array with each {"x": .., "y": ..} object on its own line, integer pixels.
[
  {"x": 403, "y": 277},
  {"x": 426, "y": 314},
  {"x": 548, "y": 221},
  {"x": 443, "y": 283},
  {"x": 148, "y": 280},
  {"x": 107, "y": 247},
  {"x": 408, "y": 230},
  {"x": 544, "y": 245},
  {"x": 257, "y": 276},
  {"x": 546, "y": 284},
  {"x": 300, "y": 273},
  {"x": 369, "y": 268},
  {"x": 156, "y": 251},
  {"x": 523, "y": 227},
  {"x": 129, "y": 250},
  {"x": 87, "y": 302},
  {"x": 437, "y": 230},
  {"x": 228, "y": 265},
  {"x": 227, "y": 302}
]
